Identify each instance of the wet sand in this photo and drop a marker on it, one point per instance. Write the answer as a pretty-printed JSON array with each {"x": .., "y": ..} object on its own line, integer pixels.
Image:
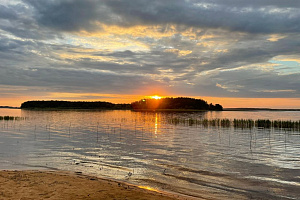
[{"x": 25, "y": 185}]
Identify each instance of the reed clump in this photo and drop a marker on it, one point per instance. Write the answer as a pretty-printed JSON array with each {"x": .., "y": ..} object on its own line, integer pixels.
[
  {"x": 243, "y": 123},
  {"x": 6, "y": 118},
  {"x": 287, "y": 124},
  {"x": 237, "y": 123}
]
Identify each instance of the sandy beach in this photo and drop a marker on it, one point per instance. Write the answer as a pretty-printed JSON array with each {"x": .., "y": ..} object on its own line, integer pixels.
[{"x": 25, "y": 185}]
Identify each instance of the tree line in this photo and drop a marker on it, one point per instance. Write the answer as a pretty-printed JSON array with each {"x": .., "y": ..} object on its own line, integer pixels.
[
  {"x": 184, "y": 103},
  {"x": 73, "y": 105}
]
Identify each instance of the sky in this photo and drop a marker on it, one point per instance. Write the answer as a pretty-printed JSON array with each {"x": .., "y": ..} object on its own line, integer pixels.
[{"x": 237, "y": 53}]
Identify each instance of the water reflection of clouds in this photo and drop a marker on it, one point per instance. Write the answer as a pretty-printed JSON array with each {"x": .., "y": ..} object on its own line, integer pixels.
[{"x": 145, "y": 142}]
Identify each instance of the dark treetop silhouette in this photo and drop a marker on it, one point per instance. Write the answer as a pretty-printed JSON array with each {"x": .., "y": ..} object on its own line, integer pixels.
[
  {"x": 182, "y": 103},
  {"x": 73, "y": 105}
]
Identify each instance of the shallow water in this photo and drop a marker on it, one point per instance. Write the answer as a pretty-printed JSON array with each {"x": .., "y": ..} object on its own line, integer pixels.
[{"x": 143, "y": 148}]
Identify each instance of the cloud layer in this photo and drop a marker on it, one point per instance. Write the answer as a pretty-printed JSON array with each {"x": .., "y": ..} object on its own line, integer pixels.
[{"x": 198, "y": 48}]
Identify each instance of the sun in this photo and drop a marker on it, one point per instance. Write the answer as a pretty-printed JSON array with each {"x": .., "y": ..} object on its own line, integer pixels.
[{"x": 155, "y": 97}]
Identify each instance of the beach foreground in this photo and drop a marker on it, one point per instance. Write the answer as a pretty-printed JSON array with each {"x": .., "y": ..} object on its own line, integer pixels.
[{"x": 25, "y": 185}]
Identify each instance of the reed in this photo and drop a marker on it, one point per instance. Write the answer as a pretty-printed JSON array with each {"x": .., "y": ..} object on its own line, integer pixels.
[
  {"x": 11, "y": 118},
  {"x": 237, "y": 123},
  {"x": 243, "y": 123}
]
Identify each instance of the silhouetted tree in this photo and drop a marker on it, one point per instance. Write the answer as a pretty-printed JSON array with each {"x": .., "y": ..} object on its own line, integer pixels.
[
  {"x": 175, "y": 103},
  {"x": 73, "y": 105}
]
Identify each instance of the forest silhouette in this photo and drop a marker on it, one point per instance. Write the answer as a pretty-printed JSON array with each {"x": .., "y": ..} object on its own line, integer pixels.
[
  {"x": 184, "y": 103},
  {"x": 169, "y": 103}
]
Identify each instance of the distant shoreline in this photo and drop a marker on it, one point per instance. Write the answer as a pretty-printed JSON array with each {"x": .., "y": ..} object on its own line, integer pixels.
[
  {"x": 259, "y": 109},
  {"x": 9, "y": 107},
  {"x": 153, "y": 110},
  {"x": 170, "y": 110}
]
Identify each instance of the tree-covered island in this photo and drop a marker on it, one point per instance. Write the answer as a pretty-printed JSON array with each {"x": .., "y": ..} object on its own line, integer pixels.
[
  {"x": 179, "y": 103},
  {"x": 74, "y": 105}
]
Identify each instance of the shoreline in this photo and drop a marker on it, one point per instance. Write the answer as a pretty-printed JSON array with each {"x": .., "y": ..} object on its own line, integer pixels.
[{"x": 56, "y": 184}]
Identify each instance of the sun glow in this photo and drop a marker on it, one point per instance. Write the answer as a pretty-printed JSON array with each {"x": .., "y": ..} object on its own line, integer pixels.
[
  {"x": 149, "y": 188},
  {"x": 155, "y": 97}
]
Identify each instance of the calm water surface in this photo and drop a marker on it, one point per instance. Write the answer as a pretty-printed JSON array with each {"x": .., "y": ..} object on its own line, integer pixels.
[{"x": 144, "y": 149}]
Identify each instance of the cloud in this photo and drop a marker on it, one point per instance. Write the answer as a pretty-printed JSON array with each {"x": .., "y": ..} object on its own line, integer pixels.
[
  {"x": 18, "y": 20},
  {"x": 38, "y": 64},
  {"x": 251, "y": 81},
  {"x": 263, "y": 18},
  {"x": 70, "y": 15},
  {"x": 75, "y": 80},
  {"x": 260, "y": 17},
  {"x": 7, "y": 12},
  {"x": 209, "y": 48}
]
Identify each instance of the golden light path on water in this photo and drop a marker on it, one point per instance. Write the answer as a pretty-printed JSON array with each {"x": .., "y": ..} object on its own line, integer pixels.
[{"x": 156, "y": 124}]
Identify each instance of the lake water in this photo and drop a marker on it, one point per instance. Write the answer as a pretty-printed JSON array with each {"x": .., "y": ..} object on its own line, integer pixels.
[{"x": 144, "y": 149}]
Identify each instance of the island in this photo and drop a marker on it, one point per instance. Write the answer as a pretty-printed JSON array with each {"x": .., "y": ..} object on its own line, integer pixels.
[
  {"x": 178, "y": 103},
  {"x": 162, "y": 104},
  {"x": 9, "y": 107},
  {"x": 53, "y": 104}
]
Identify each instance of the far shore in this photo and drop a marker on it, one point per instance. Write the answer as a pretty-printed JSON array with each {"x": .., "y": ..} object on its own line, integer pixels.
[
  {"x": 10, "y": 107},
  {"x": 66, "y": 185},
  {"x": 260, "y": 109},
  {"x": 154, "y": 110}
]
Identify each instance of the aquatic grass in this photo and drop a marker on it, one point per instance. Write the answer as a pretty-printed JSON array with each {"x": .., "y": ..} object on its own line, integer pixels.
[
  {"x": 243, "y": 123},
  {"x": 237, "y": 123},
  {"x": 11, "y": 118},
  {"x": 261, "y": 123}
]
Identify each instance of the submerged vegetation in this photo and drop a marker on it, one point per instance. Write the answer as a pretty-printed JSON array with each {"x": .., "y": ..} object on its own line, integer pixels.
[
  {"x": 183, "y": 103},
  {"x": 238, "y": 123}
]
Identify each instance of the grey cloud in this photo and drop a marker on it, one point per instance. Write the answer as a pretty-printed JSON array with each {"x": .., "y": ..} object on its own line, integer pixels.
[
  {"x": 7, "y": 13},
  {"x": 36, "y": 63},
  {"x": 72, "y": 15},
  {"x": 256, "y": 3},
  {"x": 6, "y": 45},
  {"x": 140, "y": 62},
  {"x": 62, "y": 80},
  {"x": 254, "y": 51},
  {"x": 251, "y": 82},
  {"x": 258, "y": 17},
  {"x": 21, "y": 23},
  {"x": 20, "y": 67},
  {"x": 218, "y": 16}
]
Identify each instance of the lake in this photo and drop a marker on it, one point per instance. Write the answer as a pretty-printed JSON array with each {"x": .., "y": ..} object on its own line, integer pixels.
[{"x": 143, "y": 148}]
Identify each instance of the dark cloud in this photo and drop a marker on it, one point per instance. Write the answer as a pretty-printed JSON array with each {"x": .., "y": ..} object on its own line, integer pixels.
[
  {"x": 7, "y": 13},
  {"x": 253, "y": 51},
  {"x": 245, "y": 82},
  {"x": 257, "y": 83},
  {"x": 256, "y": 3},
  {"x": 254, "y": 17},
  {"x": 67, "y": 80},
  {"x": 265, "y": 19},
  {"x": 35, "y": 64},
  {"x": 211, "y": 49},
  {"x": 20, "y": 21},
  {"x": 71, "y": 15}
]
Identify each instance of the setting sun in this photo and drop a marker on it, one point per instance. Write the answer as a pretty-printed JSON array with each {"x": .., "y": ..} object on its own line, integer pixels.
[{"x": 155, "y": 97}]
